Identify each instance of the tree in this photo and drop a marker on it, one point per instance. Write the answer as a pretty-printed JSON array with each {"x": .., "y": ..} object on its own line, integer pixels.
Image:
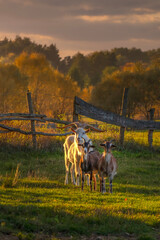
[
  {"x": 19, "y": 45},
  {"x": 52, "y": 92},
  {"x": 107, "y": 95},
  {"x": 98, "y": 61},
  {"x": 11, "y": 83},
  {"x": 144, "y": 91},
  {"x": 39, "y": 73},
  {"x": 79, "y": 70}
]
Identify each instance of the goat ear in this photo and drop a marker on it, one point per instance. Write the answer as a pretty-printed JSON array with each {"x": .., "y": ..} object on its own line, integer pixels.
[
  {"x": 87, "y": 130},
  {"x": 113, "y": 146},
  {"x": 102, "y": 144},
  {"x": 73, "y": 130}
]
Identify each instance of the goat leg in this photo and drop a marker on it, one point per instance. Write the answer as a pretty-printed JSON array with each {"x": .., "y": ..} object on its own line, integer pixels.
[
  {"x": 66, "y": 178},
  {"x": 67, "y": 173},
  {"x": 72, "y": 174},
  {"x": 82, "y": 186},
  {"x": 95, "y": 181},
  {"x": 91, "y": 180},
  {"x": 110, "y": 185},
  {"x": 100, "y": 184},
  {"x": 87, "y": 176},
  {"x": 103, "y": 185}
]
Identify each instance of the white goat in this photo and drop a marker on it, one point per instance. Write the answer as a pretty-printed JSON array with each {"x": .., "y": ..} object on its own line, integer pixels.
[
  {"x": 107, "y": 166},
  {"x": 73, "y": 155},
  {"x": 89, "y": 163}
]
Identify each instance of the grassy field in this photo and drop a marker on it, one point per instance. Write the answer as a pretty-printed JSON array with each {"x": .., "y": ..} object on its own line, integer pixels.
[{"x": 35, "y": 203}]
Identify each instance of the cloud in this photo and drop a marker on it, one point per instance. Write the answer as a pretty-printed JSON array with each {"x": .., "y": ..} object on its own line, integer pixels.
[
  {"x": 43, "y": 39},
  {"x": 120, "y": 19},
  {"x": 94, "y": 18},
  {"x": 84, "y": 25}
]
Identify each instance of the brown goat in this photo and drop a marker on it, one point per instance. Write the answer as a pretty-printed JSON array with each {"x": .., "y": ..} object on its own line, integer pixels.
[
  {"x": 107, "y": 166},
  {"x": 89, "y": 163}
]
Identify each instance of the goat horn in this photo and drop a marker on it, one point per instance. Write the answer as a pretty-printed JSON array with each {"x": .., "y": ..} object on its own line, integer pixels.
[
  {"x": 93, "y": 128},
  {"x": 83, "y": 125},
  {"x": 70, "y": 124}
]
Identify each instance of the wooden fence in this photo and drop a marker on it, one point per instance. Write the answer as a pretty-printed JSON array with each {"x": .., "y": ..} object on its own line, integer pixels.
[
  {"x": 83, "y": 108},
  {"x": 80, "y": 108},
  {"x": 32, "y": 118}
]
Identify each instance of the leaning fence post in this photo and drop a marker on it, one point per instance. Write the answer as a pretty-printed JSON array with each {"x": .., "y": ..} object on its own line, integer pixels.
[
  {"x": 30, "y": 105},
  {"x": 124, "y": 111},
  {"x": 75, "y": 115},
  {"x": 150, "y": 132}
]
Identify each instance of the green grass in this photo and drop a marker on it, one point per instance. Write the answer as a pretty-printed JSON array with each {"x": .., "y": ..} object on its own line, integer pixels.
[{"x": 40, "y": 203}]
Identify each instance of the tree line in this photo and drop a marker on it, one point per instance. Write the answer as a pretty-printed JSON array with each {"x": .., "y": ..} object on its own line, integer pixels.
[{"x": 98, "y": 77}]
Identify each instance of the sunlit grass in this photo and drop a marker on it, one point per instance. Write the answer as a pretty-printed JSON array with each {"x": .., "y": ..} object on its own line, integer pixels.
[
  {"x": 137, "y": 138},
  {"x": 133, "y": 138},
  {"x": 41, "y": 203}
]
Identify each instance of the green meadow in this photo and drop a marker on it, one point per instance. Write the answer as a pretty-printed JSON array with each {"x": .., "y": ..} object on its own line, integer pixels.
[{"x": 35, "y": 204}]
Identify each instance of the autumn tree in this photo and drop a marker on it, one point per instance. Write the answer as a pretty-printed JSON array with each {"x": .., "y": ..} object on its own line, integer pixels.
[
  {"x": 52, "y": 92},
  {"x": 98, "y": 61},
  {"x": 19, "y": 45},
  {"x": 38, "y": 70},
  {"x": 143, "y": 86},
  {"x": 108, "y": 94},
  {"x": 13, "y": 85},
  {"x": 79, "y": 70}
]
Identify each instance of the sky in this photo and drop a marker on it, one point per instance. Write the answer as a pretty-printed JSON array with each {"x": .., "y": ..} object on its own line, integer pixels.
[{"x": 83, "y": 25}]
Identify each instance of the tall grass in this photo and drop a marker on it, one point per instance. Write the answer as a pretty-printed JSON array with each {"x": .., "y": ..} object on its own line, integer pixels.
[
  {"x": 136, "y": 139},
  {"x": 11, "y": 180}
]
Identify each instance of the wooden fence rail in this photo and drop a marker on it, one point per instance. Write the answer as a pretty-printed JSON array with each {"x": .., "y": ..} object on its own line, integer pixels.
[
  {"x": 88, "y": 110},
  {"x": 12, "y": 129},
  {"x": 80, "y": 108},
  {"x": 32, "y": 118}
]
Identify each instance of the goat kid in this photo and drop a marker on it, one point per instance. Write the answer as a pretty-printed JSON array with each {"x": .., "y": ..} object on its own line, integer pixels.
[
  {"x": 89, "y": 163},
  {"x": 107, "y": 166}
]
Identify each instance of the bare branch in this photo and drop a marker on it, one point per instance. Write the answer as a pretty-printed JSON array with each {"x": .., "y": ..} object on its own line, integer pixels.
[
  {"x": 20, "y": 119},
  {"x": 29, "y": 118},
  {"x": 22, "y": 115},
  {"x": 11, "y": 129}
]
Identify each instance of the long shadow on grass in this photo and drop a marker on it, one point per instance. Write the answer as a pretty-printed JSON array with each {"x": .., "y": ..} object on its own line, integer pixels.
[
  {"x": 42, "y": 184},
  {"x": 137, "y": 189},
  {"x": 33, "y": 219}
]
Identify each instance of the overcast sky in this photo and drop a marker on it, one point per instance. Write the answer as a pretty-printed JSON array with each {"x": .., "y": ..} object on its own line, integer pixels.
[{"x": 83, "y": 25}]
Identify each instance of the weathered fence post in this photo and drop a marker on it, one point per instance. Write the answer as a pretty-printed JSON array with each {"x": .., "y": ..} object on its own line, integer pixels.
[
  {"x": 124, "y": 111},
  {"x": 30, "y": 105},
  {"x": 75, "y": 115},
  {"x": 150, "y": 132}
]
